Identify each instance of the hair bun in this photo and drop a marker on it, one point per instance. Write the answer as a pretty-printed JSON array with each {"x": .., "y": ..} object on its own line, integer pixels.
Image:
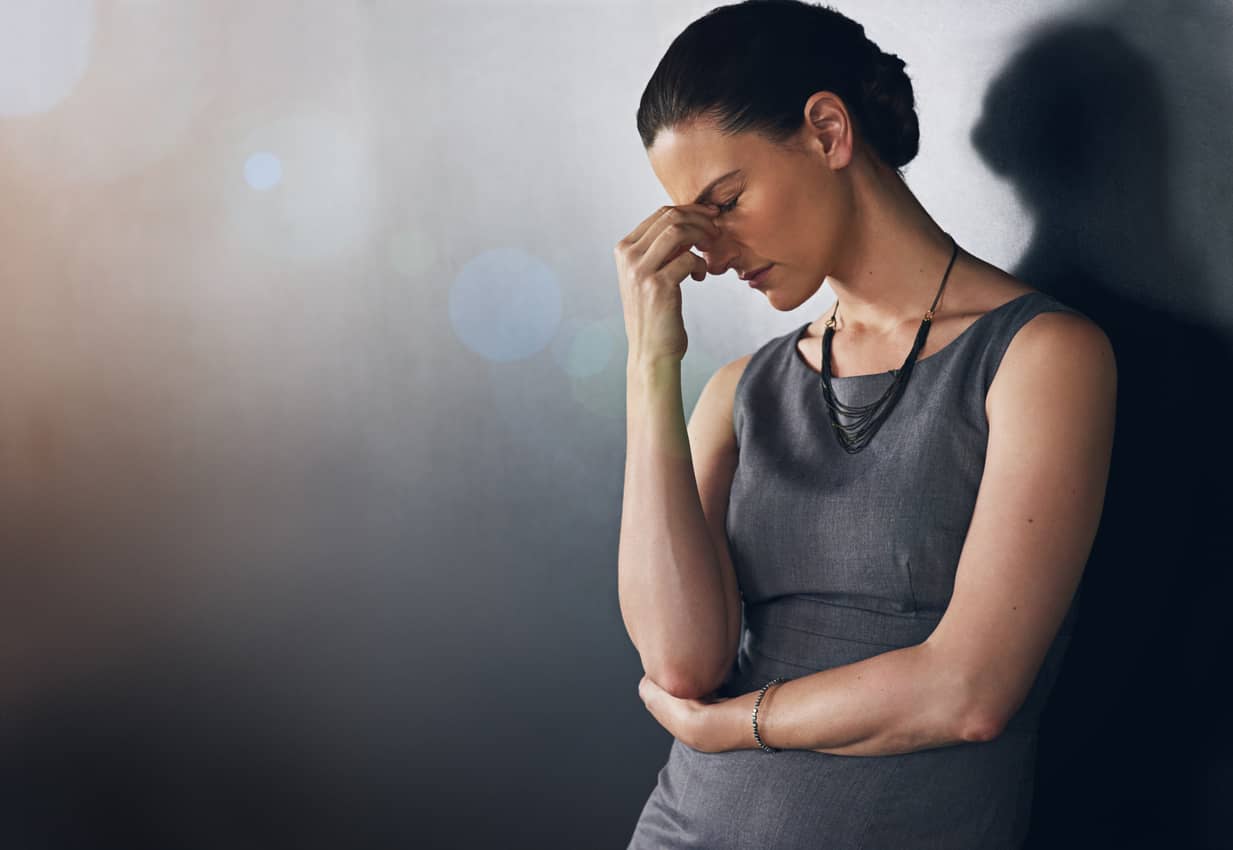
[{"x": 890, "y": 109}]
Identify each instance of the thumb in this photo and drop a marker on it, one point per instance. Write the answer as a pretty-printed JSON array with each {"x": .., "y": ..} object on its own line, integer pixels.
[{"x": 698, "y": 272}]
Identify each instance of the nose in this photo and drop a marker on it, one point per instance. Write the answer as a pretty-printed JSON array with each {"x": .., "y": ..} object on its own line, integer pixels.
[{"x": 718, "y": 252}]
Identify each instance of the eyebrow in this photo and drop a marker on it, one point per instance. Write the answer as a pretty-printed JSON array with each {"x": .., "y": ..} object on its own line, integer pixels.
[{"x": 705, "y": 193}]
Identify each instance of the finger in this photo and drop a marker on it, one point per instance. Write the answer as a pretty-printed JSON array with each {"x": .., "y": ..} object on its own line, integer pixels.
[
  {"x": 701, "y": 215},
  {"x": 634, "y": 235},
  {"x": 683, "y": 266},
  {"x": 699, "y": 271},
  {"x": 674, "y": 241},
  {"x": 638, "y": 232}
]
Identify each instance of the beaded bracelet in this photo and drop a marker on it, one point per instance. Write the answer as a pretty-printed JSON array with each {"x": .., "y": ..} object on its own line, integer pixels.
[{"x": 757, "y": 703}]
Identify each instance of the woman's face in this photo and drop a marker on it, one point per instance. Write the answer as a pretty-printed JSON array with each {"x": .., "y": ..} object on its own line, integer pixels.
[{"x": 790, "y": 208}]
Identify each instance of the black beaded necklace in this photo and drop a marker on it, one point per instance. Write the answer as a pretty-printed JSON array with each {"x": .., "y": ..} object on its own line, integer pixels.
[{"x": 869, "y": 417}]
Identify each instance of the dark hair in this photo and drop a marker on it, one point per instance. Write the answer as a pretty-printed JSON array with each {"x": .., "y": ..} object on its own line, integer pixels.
[{"x": 752, "y": 65}]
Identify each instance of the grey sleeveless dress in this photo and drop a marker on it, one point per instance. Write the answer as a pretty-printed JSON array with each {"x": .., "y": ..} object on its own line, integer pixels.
[{"x": 841, "y": 557}]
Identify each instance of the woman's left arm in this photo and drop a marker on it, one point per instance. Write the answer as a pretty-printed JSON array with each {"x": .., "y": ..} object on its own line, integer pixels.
[{"x": 1051, "y": 411}]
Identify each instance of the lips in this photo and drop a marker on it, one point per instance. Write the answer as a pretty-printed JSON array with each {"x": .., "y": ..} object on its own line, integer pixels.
[{"x": 755, "y": 272}]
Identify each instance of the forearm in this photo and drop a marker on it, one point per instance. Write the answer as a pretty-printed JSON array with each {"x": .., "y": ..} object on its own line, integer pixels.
[
  {"x": 896, "y": 702},
  {"x": 671, "y": 594}
]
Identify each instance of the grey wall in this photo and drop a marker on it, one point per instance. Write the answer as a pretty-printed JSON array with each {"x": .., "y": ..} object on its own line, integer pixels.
[{"x": 311, "y": 419}]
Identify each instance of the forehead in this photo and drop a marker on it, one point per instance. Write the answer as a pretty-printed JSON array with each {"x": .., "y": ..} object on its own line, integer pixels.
[{"x": 686, "y": 159}]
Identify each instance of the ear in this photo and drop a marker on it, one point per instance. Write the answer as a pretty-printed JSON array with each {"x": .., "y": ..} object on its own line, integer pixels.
[{"x": 829, "y": 127}]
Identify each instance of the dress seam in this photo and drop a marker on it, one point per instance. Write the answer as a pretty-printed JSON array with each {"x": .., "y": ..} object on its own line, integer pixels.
[
  {"x": 757, "y": 651},
  {"x": 902, "y": 615},
  {"x": 832, "y": 637}
]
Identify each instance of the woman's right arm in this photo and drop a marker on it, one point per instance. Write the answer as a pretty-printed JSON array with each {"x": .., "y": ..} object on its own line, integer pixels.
[
  {"x": 678, "y": 590},
  {"x": 676, "y": 600}
]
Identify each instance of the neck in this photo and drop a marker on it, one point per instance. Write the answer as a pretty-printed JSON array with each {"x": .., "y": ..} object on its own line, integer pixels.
[{"x": 895, "y": 257}]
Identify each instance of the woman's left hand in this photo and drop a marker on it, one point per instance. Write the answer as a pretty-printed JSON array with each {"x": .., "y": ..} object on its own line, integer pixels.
[{"x": 709, "y": 725}]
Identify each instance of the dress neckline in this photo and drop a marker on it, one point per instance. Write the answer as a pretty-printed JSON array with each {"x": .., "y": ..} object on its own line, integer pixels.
[{"x": 804, "y": 364}]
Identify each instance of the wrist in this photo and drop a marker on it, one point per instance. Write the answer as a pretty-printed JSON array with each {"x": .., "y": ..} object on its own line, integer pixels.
[
  {"x": 763, "y": 723},
  {"x": 652, "y": 367},
  {"x": 739, "y": 725}
]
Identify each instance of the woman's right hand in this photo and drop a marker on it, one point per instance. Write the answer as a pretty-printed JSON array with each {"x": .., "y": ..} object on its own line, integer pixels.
[{"x": 652, "y": 261}]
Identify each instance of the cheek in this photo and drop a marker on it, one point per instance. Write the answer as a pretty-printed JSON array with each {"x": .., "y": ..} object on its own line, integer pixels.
[
  {"x": 781, "y": 235},
  {"x": 796, "y": 210}
]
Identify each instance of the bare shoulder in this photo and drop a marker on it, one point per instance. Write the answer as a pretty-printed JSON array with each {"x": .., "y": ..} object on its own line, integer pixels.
[
  {"x": 1054, "y": 355},
  {"x": 710, "y": 424},
  {"x": 1053, "y": 347},
  {"x": 729, "y": 374}
]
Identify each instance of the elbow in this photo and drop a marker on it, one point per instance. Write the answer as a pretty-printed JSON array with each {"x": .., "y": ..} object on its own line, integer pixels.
[
  {"x": 682, "y": 688},
  {"x": 687, "y": 683},
  {"x": 981, "y": 728},
  {"x": 975, "y": 718},
  {"x": 678, "y": 685},
  {"x": 690, "y": 679},
  {"x": 690, "y": 687},
  {"x": 962, "y": 712},
  {"x": 988, "y": 714}
]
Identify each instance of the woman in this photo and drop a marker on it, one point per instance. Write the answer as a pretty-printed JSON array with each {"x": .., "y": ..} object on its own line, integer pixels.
[{"x": 852, "y": 577}]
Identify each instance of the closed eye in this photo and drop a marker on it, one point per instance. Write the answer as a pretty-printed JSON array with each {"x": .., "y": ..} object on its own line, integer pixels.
[{"x": 728, "y": 207}]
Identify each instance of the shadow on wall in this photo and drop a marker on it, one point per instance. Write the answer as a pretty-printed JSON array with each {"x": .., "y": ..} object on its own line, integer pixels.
[{"x": 1085, "y": 127}]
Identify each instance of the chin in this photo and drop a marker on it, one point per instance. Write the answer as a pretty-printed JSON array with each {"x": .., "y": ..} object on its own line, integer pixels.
[
  {"x": 776, "y": 300},
  {"x": 781, "y": 300}
]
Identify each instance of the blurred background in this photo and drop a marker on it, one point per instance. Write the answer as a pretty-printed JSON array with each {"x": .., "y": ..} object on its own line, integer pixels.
[{"x": 312, "y": 405}]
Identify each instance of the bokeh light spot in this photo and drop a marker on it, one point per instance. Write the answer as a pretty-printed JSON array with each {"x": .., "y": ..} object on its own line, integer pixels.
[
  {"x": 587, "y": 349},
  {"x": 44, "y": 51},
  {"x": 325, "y": 205},
  {"x": 263, "y": 171},
  {"x": 505, "y": 304}
]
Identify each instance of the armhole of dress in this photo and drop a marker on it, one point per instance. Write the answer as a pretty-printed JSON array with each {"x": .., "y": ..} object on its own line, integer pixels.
[
  {"x": 997, "y": 349},
  {"x": 738, "y": 392},
  {"x": 738, "y": 402}
]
